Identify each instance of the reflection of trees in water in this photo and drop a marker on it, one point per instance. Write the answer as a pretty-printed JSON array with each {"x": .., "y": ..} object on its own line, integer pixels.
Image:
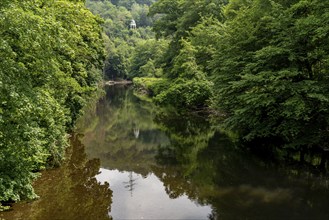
[
  {"x": 188, "y": 134},
  {"x": 69, "y": 192},
  {"x": 123, "y": 134},
  {"x": 209, "y": 169},
  {"x": 130, "y": 184},
  {"x": 198, "y": 162}
]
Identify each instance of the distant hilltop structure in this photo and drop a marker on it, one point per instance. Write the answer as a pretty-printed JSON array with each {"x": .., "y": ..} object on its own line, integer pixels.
[{"x": 132, "y": 24}]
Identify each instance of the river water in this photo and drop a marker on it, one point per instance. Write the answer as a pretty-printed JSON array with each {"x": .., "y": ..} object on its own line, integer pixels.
[{"x": 130, "y": 160}]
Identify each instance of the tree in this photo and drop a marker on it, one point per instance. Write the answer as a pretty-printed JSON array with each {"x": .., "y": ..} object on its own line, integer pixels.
[
  {"x": 184, "y": 62},
  {"x": 146, "y": 56},
  {"x": 140, "y": 14},
  {"x": 121, "y": 40},
  {"x": 178, "y": 18},
  {"x": 50, "y": 52},
  {"x": 271, "y": 67}
]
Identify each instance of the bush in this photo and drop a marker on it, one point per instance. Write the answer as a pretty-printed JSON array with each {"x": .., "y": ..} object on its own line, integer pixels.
[
  {"x": 186, "y": 93},
  {"x": 150, "y": 85}
]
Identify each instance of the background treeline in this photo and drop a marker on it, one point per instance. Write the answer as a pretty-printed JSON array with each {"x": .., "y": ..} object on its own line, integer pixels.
[
  {"x": 261, "y": 63},
  {"x": 51, "y": 53},
  {"x": 130, "y": 52}
]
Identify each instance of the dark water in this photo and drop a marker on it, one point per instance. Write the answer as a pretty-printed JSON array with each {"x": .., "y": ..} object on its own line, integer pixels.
[{"x": 132, "y": 161}]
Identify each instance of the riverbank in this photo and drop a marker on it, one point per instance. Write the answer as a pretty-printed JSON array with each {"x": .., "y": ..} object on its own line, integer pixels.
[{"x": 118, "y": 82}]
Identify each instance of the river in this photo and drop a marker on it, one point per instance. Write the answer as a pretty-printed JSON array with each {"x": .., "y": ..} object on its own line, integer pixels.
[{"x": 130, "y": 160}]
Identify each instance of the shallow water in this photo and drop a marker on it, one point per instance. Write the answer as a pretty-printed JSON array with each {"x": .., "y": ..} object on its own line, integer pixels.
[{"x": 130, "y": 160}]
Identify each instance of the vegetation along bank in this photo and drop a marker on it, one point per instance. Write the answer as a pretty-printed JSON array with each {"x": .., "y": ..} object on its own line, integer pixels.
[
  {"x": 51, "y": 53},
  {"x": 264, "y": 63}
]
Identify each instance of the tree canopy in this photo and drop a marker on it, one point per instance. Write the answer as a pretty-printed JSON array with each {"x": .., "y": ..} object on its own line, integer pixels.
[
  {"x": 270, "y": 68},
  {"x": 264, "y": 63},
  {"x": 50, "y": 56},
  {"x": 123, "y": 42}
]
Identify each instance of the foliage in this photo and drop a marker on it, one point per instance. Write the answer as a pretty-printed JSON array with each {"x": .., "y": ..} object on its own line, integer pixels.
[
  {"x": 146, "y": 58},
  {"x": 271, "y": 69},
  {"x": 190, "y": 89},
  {"x": 177, "y": 19},
  {"x": 122, "y": 41},
  {"x": 203, "y": 38},
  {"x": 131, "y": 55},
  {"x": 64, "y": 188},
  {"x": 268, "y": 61},
  {"x": 185, "y": 94},
  {"x": 49, "y": 55},
  {"x": 185, "y": 24},
  {"x": 140, "y": 14},
  {"x": 151, "y": 85},
  {"x": 130, "y": 3}
]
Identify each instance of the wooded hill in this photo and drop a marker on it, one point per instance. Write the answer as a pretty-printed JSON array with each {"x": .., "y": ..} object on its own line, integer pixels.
[{"x": 262, "y": 63}]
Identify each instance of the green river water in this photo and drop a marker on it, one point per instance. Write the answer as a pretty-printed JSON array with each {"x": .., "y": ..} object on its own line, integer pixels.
[{"x": 128, "y": 160}]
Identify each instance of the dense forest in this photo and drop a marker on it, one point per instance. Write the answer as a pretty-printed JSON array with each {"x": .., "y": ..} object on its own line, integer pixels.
[
  {"x": 51, "y": 55},
  {"x": 130, "y": 52},
  {"x": 263, "y": 64},
  {"x": 259, "y": 65}
]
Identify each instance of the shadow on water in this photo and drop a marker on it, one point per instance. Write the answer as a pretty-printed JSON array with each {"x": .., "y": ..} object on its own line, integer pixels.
[
  {"x": 192, "y": 158},
  {"x": 204, "y": 164},
  {"x": 69, "y": 192},
  {"x": 121, "y": 132},
  {"x": 240, "y": 186},
  {"x": 164, "y": 165}
]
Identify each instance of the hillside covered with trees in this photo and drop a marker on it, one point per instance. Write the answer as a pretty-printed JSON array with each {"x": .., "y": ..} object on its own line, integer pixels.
[
  {"x": 130, "y": 52},
  {"x": 261, "y": 65}
]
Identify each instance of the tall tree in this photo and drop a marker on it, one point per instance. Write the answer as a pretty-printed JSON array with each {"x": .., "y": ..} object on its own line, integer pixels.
[
  {"x": 177, "y": 19},
  {"x": 49, "y": 55},
  {"x": 271, "y": 71}
]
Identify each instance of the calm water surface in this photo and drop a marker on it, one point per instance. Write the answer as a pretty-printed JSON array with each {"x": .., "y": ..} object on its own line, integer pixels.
[
  {"x": 138, "y": 197},
  {"x": 129, "y": 160}
]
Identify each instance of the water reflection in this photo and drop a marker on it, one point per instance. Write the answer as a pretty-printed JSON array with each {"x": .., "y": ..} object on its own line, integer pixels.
[
  {"x": 138, "y": 197},
  {"x": 239, "y": 185},
  {"x": 189, "y": 159},
  {"x": 163, "y": 165},
  {"x": 122, "y": 133},
  {"x": 69, "y": 192}
]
